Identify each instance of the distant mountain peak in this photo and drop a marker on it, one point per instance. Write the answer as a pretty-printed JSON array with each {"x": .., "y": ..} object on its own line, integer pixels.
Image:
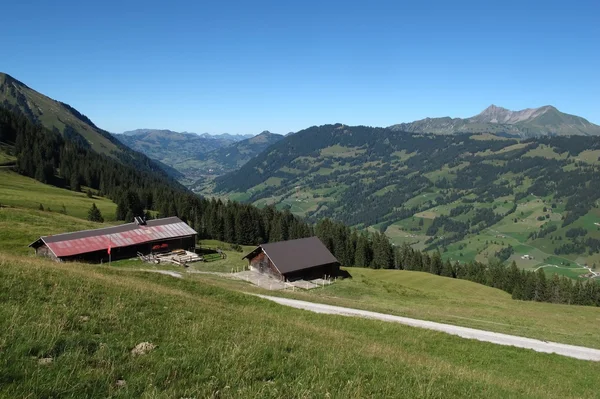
[{"x": 529, "y": 122}]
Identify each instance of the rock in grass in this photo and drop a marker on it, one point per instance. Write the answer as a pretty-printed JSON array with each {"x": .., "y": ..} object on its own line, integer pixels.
[
  {"x": 142, "y": 348},
  {"x": 121, "y": 383},
  {"x": 45, "y": 361}
]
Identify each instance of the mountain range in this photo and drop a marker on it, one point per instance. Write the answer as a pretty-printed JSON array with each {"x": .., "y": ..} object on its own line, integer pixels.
[
  {"x": 530, "y": 122},
  {"x": 194, "y": 156},
  {"x": 470, "y": 194},
  {"x": 222, "y": 136}
]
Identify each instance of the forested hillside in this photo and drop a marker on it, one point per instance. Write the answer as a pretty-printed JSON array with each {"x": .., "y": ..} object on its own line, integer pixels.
[{"x": 472, "y": 196}]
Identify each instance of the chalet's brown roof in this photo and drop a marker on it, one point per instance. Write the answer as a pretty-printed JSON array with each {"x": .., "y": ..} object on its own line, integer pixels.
[{"x": 293, "y": 255}]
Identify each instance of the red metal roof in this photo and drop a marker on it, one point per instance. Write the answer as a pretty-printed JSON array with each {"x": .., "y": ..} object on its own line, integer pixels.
[{"x": 80, "y": 242}]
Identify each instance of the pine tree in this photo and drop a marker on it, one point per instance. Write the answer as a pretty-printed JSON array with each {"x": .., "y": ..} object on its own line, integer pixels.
[{"x": 95, "y": 215}]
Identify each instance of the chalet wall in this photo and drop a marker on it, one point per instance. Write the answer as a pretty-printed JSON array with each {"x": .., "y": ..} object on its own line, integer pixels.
[
  {"x": 44, "y": 251},
  {"x": 263, "y": 264}
]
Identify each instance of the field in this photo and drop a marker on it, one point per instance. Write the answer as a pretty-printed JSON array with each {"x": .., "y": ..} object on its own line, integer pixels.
[
  {"x": 214, "y": 342},
  {"x": 17, "y": 190}
]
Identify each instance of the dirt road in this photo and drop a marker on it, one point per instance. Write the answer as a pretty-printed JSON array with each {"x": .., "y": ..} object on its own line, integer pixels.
[{"x": 577, "y": 352}]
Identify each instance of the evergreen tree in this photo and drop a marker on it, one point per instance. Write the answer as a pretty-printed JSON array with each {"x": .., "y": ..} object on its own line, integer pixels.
[{"x": 95, "y": 215}]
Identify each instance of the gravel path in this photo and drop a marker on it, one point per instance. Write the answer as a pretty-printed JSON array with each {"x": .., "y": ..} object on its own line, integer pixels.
[{"x": 577, "y": 352}]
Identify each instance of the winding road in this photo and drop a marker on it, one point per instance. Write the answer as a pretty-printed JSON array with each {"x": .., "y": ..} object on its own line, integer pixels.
[{"x": 577, "y": 352}]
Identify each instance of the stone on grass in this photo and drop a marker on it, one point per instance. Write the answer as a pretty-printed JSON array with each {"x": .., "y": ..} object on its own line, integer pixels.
[{"x": 142, "y": 348}]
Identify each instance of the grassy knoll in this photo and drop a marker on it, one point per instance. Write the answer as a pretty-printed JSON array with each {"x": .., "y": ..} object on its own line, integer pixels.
[
  {"x": 5, "y": 157},
  {"x": 21, "y": 191},
  {"x": 213, "y": 342}
]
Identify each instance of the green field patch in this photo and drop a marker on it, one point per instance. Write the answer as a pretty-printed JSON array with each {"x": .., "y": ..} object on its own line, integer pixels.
[
  {"x": 421, "y": 199},
  {"x": 398, "y": 236},
  {"x": 506, "y": 149},
  {"x": 589, "y": 156},
  {"x": 402, "y": 155},
  {"x": 5, "y": 157},
  {"x": 240, "y": 196},
  {"x": 384, "y": 190},
  {"x": 428, "y": 214},
  {"x": 293, "y": 171},
  {"x": 20, "y": 191},
  {"x": 339, "y": 151},
  {"x": 545, "y": 151},
  {"x": 487, "y": 137},
  {"x": 414, "y": 225},
  {"x": 325, "y": 171}
]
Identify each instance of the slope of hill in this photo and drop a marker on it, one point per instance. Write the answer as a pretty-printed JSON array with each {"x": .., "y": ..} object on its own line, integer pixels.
[
  {"x": 471, "y": 197},
  {"x": 531, "y": 122},
  {"x": 66, "y": 322},
  {"x": 197, "y": 157}
]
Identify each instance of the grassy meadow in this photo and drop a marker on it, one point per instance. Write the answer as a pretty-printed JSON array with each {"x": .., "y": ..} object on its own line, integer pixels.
[
  {"x": 214, "y": 342},
  {"x": 24, "y": 192}
]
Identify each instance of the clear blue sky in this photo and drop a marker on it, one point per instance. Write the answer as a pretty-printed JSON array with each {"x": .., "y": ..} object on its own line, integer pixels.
[{"x": 243, "y": 67}]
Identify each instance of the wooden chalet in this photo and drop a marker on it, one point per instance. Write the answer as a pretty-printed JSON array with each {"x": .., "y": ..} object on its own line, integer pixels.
[
  {"x": 304, "y": 258},
  {"x": 124, "y": 241}
]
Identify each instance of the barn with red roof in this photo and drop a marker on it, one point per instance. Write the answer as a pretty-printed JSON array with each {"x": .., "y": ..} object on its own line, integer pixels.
[{"x": 124, "y": 241}]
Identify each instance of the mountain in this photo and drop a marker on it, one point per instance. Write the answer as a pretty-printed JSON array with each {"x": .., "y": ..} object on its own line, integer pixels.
[
  {"x": 197, "y": 156},
  {"x": 163, "y": 145},
  {"x": 57, "y": 116},
  {"x": 227, "y": 136},
  {"x": 224, "y": 136},
  {"x": 468, "y": 195},
  {"x": 530, "y": 122},
  {"x": 61, "y": 118}
]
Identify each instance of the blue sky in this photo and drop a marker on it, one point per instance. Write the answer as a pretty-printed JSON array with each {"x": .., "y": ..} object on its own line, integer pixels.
[{"x": 243, "y": 67}]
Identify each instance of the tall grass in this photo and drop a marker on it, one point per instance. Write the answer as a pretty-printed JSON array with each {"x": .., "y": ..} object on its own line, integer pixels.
[{"x": 212, "y": 342}]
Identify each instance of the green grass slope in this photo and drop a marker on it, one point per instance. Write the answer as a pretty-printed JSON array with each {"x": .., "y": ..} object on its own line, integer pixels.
[
  {"x": 25, "y": 192},
  {"x": 212, "y": 342}
]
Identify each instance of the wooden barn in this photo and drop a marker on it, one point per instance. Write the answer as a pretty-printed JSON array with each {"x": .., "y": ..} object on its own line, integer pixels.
[
  {"x": 305, "y": 258},
  {"x": 124, "y": 241}
]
